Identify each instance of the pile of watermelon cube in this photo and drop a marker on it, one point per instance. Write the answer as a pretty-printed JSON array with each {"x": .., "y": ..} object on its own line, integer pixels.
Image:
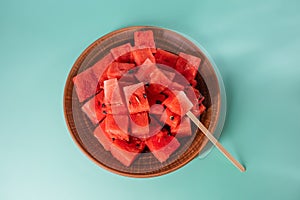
[{"x": 137, "y": 97}]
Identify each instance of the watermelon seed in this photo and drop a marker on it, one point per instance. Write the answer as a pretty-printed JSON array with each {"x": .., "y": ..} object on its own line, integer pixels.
[
  {"x": 129, "y": 102},
  {"x": 104, "y": 112},
  {"x": 158, "y": 102},
  {"x": 147, "y": 84},
  {"x": 137, "y": 145},
  {"x": 145, "y": 96},
  {"x": 171, "y": 117},
  {"x": 113, "y": 139},
  {"x": 103, "y": 105}
]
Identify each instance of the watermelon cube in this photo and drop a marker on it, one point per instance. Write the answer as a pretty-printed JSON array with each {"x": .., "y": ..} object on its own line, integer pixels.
[
  {"x": 188, "y": 66},
  {"x": 100, "y": 67},
  {"x": 123, "y": 53},
  {"x": 193, "y": 60},
  {"x": 127, "y": 151},
  {"x": 86, "y": 84},
  {"x": 183, "y": 129},
  {"x": 136, "y": 98},
  {"x": 139, "y": 124},
  {"x": 162, "y": 145},
  {"x": 144, "y": 39},
  {"x": 117, "y": 126},
  {"x": 158, "y": 77},
  {"x": 180, "y": 104},
  {"x": 170, "y": 118},
  {"x": 144, "y": 71},
  {"x": 154, "y": 98},
  {"x": 165, "y": 58},
  {"x": 102, "y": 136},
  {"x": 112, "y": 94},
  {"x": 93, "y": 108},
  {"x": 141, "y": 55},
  {"x": 116, "y": 69}
]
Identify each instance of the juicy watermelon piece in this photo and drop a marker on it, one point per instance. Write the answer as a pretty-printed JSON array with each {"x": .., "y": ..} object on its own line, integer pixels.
[
  {"x": 180, "y": 104},
  {"x": 196, "y": 98},
  {"x": 158, "y": 77},
  {"x": 101, "y": 66},
  {"x": 193, "y": 60},
  {"x": 102, "y": 136},
  {"x": 127, "y": 151},
  {"x": 189, "y": 73},
  {"x": 144, "y": 71},
  {"x": 123, "y": 53},
  {"x": 162, "y": 145},
  {"x": 112, "y": 92},
  {"x": 141, "y": 55},
  {"x": 165, "y": 58},
  {"x": 117, "y": 126},
  {"x": 170, "y": 118},
  {"x": 144, "y": 39},
  {"x": 188, "y": 66},
  {"x": 139, "y": 124},
  {"x": 183, "y": 129},
  {"x": 136, "y": 98},
  {"x": 155, "y": 98},
  {"x": 93, "y": 108},
  {"x": 116, "y": 69},
  {"x": 85, "y": 84}
]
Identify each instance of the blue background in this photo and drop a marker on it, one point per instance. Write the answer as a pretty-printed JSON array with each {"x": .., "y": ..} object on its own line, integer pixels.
[{"x": 256, "y": 46}]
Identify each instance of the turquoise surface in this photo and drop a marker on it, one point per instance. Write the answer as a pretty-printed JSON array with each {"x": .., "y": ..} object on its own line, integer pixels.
[{"x": 256, "y": 46}]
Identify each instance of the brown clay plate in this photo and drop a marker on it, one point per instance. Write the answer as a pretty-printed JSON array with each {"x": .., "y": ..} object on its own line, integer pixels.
[{"x": 146, "y": 165}]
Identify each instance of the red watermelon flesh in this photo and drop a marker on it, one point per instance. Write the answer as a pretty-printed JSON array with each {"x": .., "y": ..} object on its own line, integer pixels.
[
  {"x": 117, "y": 126},
  {"x": 144, "y": 39},
  {"x": 123, "y": 53},
  {"x": 85, "y": 84},
  {"x": 141, "y": 55},
  {"x": 136, "y": 98},
  {"x": 127, "y": 151},
  {"x": 162, "y": 145},
  {"x": 155, "y": 98},
  {"x": 140, "y": 124},
  {"x": 165, "y": 58},
  {"x": 116, "y": 69},
  {"x": 112, "y": 94},
  {"x": 170, "y": 118},
  {"x": 193, "y": 60},
  {"x": 93, "y": 108},
  {"x": 180, "y": 104},
  {"x": 202, "y": 109},
  {"x": 180, "y": 64},
  {"x": 158, "y": 77},
  {"x": 102, "y": 136},
  {"x": 100, "y": 67},
  {"x": 144, "y": 71},
  {"x": 183, "y": 129}
]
